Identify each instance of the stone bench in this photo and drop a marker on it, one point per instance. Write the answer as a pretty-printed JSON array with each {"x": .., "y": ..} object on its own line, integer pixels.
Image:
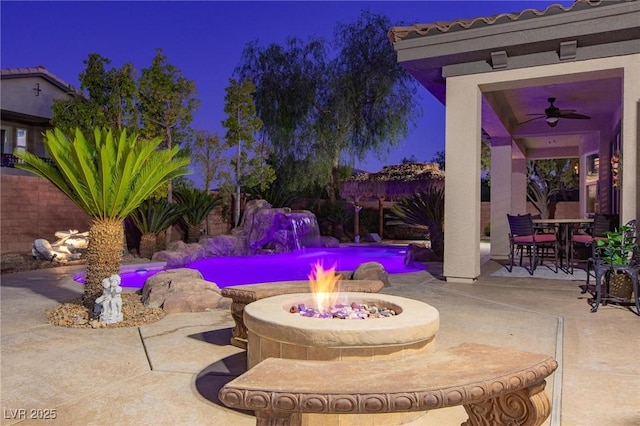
[
  {"x": 496, "y": 386},
  {"x": 242, "y": 295}
]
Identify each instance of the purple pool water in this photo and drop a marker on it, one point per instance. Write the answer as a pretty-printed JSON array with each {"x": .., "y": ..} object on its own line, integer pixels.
[{"x": 237, "y": 270}]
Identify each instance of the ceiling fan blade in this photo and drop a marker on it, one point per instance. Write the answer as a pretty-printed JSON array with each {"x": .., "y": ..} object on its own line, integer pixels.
[
  {"x": 537, "y": 118},
  {"x": 575, "y": 116},
  {"x": 541, "y": 115},
  {"x": 566, "y": 111}
]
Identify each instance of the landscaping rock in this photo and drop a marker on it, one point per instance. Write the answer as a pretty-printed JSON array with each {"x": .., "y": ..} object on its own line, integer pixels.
[
  {"x": 222, "y": 245},
  {"x": 419, "y": 253},
  {"x": 179, "y": 254},
  {"x": 182, "y": 290},
  {"x": 372, "y": 271},
  {"x": 329, "y": 242}
]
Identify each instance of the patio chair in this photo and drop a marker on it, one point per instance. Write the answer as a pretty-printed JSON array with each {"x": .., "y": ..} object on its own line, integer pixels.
[
  {"x": 523, "y": 236},
  {"x": 588, "y": 237}
]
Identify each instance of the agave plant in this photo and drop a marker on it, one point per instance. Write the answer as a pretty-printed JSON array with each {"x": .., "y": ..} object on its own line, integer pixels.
[
  {"x": 424, "y": 210},
  {"x": 196, "y": 207},
  {"x": 153, "y": 217},
  {"x": 107, "y": 176}
]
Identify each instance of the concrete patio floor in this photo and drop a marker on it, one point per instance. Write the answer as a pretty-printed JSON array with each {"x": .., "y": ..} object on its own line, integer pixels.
[{"x": 169, "y": 373}]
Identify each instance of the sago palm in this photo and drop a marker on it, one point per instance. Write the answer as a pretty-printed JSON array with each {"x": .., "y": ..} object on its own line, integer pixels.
[
  {"x": 107, "y": 176},
  {"x": 153, "y": 217},
  {"x": 425, "y": 210},
  {"x": 196, "y": 207}
]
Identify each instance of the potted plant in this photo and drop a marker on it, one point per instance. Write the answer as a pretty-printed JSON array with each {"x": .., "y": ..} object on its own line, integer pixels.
[{"x": 617, "y": 251}]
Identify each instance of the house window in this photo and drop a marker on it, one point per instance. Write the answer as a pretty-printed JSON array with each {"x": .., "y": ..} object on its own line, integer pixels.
[{"x": 21, "y": 140}]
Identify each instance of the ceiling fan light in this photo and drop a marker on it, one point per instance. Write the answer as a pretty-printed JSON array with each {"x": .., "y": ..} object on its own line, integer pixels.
[{"x": 552, "y": 121}]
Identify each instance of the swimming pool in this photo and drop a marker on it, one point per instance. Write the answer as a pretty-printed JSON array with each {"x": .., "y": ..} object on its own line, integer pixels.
[{"x": 226, "y": 271}]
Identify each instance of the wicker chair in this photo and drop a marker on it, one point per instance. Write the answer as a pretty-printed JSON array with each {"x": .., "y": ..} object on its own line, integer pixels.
[{"x": 523, "y": 236}]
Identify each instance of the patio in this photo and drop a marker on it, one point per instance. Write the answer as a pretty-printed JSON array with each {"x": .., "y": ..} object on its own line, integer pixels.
[{"x": 170, "y": 372}]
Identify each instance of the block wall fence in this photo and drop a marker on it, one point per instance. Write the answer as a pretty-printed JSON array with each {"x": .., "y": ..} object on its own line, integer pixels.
[{"x": 32, "y": 208}]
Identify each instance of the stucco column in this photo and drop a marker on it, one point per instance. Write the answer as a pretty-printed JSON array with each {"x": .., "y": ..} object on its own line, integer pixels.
[
  {"x": 518, "y": 186},
  {"x": 501, "y": 169},
  {"x": 462, "y": 182},
  {"x": 630, "y": 208}
]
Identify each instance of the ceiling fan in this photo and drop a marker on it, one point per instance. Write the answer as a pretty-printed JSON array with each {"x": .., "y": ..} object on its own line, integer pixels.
[{"x": 553, "y": 114}]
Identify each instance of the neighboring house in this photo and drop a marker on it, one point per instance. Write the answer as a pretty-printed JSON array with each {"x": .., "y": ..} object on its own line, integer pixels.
[
  {"x": 27, "y": 96},
  {"x": 30, "y": 207},
  {"x": 500, "y": 75}
]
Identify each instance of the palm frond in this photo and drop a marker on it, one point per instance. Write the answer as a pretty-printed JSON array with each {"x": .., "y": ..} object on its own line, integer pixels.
[
  {"x": 107, "y": 176},
  {"x": 153, "y": 216},
  {"x": 197, "y": 204}
]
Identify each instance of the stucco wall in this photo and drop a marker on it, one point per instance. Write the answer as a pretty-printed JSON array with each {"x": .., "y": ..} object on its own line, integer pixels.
[{"x": 30, "y": 208}]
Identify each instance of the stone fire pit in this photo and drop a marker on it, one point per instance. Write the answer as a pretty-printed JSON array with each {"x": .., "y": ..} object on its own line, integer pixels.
[{"x": 274, "y": 332}]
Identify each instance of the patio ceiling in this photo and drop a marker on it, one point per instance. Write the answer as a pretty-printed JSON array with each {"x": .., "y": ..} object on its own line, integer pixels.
[
  {"x": 599, "y": 98},
  {"x": 432, "y": 53}
]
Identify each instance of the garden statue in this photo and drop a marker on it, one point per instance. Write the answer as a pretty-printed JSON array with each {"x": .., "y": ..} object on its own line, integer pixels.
[
  {"x": 71, "y": 245},
  {"x": 109, "y": 305}
]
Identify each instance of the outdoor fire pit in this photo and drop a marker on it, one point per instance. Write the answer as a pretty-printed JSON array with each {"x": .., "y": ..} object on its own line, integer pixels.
[{"x": 275, "y": 332}]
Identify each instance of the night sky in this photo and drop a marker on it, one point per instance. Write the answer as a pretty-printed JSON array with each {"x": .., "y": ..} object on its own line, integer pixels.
[{"x": 205, "y": 40}]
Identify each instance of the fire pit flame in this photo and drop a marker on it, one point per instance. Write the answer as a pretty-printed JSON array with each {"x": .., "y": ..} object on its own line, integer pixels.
[{"x": 323, "y": 286}]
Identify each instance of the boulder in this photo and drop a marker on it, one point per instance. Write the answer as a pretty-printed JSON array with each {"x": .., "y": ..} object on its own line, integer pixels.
[
  {"x": 330, "y": 242},
  {"x": 173, "y": 259},
  {"x": 179, "y": 254},
  {"x": 222, "y": 245},
  {"x": 419, "y": 253},
  {"x": 182, "y": 290},
  {"x": 372, "y": 271}
]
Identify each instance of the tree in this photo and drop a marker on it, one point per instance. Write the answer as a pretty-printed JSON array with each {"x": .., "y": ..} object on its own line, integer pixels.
[
  {"x": 206, "y": 150},
  {"x": 287, "y": 79},
  {"x": 323, "y": 112},
  {"x": 107, "y": 98},
  {"x": 549, "y": 178},
  {"x": 167, "y": 102},
  {"x": 107, "y": 176},
  {"x": 248, "y": 167},
  {"x": 438, "y": 158}
]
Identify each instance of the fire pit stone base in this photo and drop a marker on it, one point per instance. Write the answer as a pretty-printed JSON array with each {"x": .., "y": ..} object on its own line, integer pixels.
[{"x": 274, "y": 332}]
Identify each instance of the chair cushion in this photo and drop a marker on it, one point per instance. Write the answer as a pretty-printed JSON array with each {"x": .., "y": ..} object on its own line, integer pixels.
[
  {"x": 539, "y": 238},
  {"x": 545, "y": 238},
  {"x": 582, "y": 238}
]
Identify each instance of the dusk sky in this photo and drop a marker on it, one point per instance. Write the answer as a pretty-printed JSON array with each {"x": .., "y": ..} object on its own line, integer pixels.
[{"x": 205, "y": 40}]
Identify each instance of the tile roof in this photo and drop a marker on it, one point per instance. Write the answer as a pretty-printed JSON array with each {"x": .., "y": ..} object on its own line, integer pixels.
[
  {"x": 38, "y": 71},
  {"x": 399, "y": 33}
]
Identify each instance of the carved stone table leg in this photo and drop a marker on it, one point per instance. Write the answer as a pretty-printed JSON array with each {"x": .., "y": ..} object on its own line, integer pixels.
[
  {"x": 526, "y": 407},
  {"x": 273, "y": 418}
]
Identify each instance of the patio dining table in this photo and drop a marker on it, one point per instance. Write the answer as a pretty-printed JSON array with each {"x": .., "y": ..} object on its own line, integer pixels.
[{"x": 564, "y": 228}]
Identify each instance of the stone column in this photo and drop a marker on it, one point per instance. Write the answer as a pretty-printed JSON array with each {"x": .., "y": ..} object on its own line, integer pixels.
[
  {"x": 462, "y": 184},
  {"x": 501, "y": 195}
]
